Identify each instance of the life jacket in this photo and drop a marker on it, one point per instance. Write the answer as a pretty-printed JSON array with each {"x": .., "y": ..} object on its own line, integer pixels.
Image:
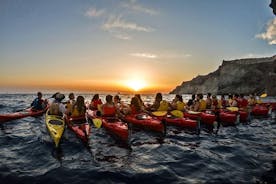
[
  {"x": 215, "y": 103},
  {"x": 54, "y": 109},
  {"x": 133, "y": 110},
  {"x": 208, "y": 103},
  {"x": 95, "y": 104},
  {"x": 202, "y": 105},
  {"x": 76, "y": 112},
  {"x": 109, "y": 110},
  {"x": 243, "y": 103},
  {"x": 180, "y": 105},
  {"x": 37, "y": 104},
  {"x": 164, "y": 106},
  {"x": 69, "y": 105}
]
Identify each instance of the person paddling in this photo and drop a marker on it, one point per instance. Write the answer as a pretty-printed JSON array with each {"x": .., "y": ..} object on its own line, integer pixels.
[
  {"x": 95, "y": 103},
  {"x": 38, "y": 103},
  {"x": 70, "y": 103},
  {"x": 56, "y": 107},
  {"x": 79, "y": 107}
]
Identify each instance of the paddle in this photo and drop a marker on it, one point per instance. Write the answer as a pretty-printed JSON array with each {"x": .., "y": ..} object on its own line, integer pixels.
[
  {"x": 177, "y": 113},
  {"x": 232, "y": 109},
  {"x": 97, "y": 122},
  {"x": 263, "y": 95},
  {"x": 193, "y": 112},
  {"x": 159, "y": 113}
]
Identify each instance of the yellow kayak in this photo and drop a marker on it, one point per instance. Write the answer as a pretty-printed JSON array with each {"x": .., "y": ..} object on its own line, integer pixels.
[{"x": 55, "y": 125}]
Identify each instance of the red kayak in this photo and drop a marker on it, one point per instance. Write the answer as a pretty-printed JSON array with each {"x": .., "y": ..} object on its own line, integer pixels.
[
  {"x": 79, "y": 126},
  {"x": 177, "y": 121},
  {"x": 22, "y": 114},
  {"x": 259, "y": 110},
  {"x": 243, "y": 115},
  {"x": 146, "y": 121},
  {"x": 113, "y": 125},
  {"x": 181, "y": 122},
  {"x": 271, "y": 105},
  {"x": 228, "y": 117},
  {"x": 205, "y": 118}
]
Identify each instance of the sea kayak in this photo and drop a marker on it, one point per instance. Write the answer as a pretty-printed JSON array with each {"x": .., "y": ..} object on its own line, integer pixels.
[
  {"x": 260, "y": 110},
  {"x": 55, "y": 125},
  {"x": 79, "y": 126},
  {"x": 175, "y": 118},
  {"x": 204, "y": 117},
  {"x": 21, "y": 114},
  {"x": 228, "y": 118},
  {"x": 146, "y": 121},
  {"x": 181, "y": 122},
  {"x": 115, "y": 126}
]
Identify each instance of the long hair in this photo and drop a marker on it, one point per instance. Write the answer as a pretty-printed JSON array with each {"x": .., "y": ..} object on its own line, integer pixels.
[{"x": 80, "y": 104}]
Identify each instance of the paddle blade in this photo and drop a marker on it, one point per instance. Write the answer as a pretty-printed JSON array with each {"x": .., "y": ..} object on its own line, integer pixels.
[
  {"x": 263, "y": 95},
  {"x": 97, "y": 122},
  {"x": 159, "y": 113},
  {"x": 233, "y": 108},
  {"x": 177, "y": 113},
  {"x": 193, "y": 112}
]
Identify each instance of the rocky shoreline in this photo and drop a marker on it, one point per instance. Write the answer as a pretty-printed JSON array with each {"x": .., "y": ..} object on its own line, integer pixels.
[{"x": 252, "y": 75}]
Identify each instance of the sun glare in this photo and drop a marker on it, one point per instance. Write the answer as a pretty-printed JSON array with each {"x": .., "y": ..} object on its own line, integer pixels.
[{"x": 136, "y": 84}]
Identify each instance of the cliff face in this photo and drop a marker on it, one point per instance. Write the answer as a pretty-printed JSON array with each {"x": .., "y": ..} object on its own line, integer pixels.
[{"x": 246, "y": 76}]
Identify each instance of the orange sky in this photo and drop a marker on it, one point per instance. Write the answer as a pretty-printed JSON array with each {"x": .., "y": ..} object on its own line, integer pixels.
[{"x": 98, "y": 46}]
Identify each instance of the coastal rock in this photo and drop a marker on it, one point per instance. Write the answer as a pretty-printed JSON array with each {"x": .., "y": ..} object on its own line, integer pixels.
[{"x": 253, "y": 75}]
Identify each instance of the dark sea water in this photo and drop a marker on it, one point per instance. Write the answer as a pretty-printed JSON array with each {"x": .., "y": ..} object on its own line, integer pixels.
[{"x": 242, "y": 154}]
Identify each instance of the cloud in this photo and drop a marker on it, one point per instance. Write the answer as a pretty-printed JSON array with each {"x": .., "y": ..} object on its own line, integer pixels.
[
  {"x": 144, "y": 55},
  {"x": 119, "y": 23},
  {"x": 123, "y": 36},
  {"x": 139, "y": 8},
  {"x": 93, "y": 12},
  {"x": 270, "y": 33}
]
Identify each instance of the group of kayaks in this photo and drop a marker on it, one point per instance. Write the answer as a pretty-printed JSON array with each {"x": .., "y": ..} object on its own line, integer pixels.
[{"x": 157, "y": 121}]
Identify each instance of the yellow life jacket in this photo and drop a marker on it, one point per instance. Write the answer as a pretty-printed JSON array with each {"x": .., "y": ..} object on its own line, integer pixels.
[
  {"x": 180, "y": 106},
  {"x": 164, "y": 106},
  {"x": 219, "y": 104},
  {"x": 69, "y": 107},
  {"x": 202, "y": 105},
  {"x": 75, "y": 112}
]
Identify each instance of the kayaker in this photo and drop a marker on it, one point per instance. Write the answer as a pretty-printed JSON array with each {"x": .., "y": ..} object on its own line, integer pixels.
[
  {"x": 70, "y": 103},
  {"x": 177, "y": 103},
  {"x": 243, "y": 103},
  {"x": 191, "y": 101},
  {"x": 56, "y": 107},
  {"x": 136, "y": 106},
  {"x": 234, "y": 102},
  {"x": 79, "y": 107},
  {"x": 38, "y": 103},
  {"x": 159, "y": 104},
  {"x": 252, "y": 100},
  {"x": 200, "y": 103},
  {"x": 215, "y": 103},
  {"x": 109, "y": 109},
  {"x": 222, "y": 102},
  {"x": 140, "y": 101},
  {"x": 230, "y": 100},
  {"x": 95, "y": 103},
  {"x": 122, "y": 107},
  {"x": 208, "y": 101}
]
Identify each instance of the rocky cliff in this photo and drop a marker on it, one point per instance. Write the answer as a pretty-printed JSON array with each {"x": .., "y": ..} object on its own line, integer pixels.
[{"x": 254, "y": 75}]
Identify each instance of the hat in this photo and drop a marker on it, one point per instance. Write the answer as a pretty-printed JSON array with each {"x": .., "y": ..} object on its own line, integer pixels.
[{"x": 59, "y": 96}]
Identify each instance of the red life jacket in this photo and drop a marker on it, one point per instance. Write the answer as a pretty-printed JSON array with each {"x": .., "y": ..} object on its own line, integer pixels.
[{"x": 109, "y": 110}]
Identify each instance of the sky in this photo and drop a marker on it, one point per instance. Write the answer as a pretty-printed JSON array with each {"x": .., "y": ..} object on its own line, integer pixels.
[{"x": 122, "y": 46}]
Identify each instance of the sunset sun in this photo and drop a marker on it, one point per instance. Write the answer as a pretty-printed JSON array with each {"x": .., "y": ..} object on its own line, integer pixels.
[{"x": 136, "y": 84}]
